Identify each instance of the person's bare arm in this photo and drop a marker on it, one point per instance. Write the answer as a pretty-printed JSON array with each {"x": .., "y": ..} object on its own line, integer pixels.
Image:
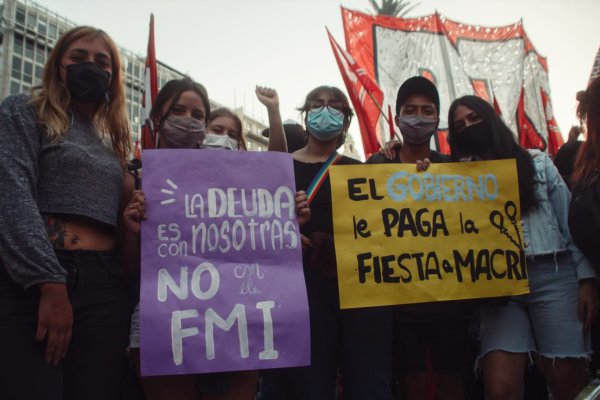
[{"x": 270, "y": 99}]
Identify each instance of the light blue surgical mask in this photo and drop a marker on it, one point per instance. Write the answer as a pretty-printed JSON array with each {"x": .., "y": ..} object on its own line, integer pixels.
[{"x": 325, "y": 123}]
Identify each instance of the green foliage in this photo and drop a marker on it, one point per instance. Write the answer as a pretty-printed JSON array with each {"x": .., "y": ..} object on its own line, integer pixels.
[{"x": 394, "y": 8}]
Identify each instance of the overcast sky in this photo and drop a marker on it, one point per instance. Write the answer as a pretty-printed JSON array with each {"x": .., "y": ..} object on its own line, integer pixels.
[{"x": 231, "y": 46}]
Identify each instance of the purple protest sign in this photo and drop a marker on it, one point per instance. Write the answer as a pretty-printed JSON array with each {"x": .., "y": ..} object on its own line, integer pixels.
[{"x": 222, "y": 286}]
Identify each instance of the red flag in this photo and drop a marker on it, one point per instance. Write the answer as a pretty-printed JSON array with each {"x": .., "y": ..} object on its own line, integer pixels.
[
  {"x": 528, "y": 136},
  {"x": 496, "y": 105},
  {"x": 150, "y": 91},
  {"x": 555, "y": 139},
  {"x": 137, "y": 152},
  {"x": 365, "y": 94},
  {"x": 391, "y": 50},
  {"x": 391, "y": 123}
]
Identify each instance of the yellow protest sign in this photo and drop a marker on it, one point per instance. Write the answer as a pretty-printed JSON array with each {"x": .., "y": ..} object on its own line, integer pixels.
[{"x": 452, "y": 232}]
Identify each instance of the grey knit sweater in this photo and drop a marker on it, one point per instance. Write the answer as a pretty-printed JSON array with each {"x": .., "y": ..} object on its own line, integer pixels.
[{"x": 78, "y": 175}]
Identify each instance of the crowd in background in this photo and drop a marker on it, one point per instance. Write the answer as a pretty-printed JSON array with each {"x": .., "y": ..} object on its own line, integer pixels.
[{"x": 70, "y": 245}]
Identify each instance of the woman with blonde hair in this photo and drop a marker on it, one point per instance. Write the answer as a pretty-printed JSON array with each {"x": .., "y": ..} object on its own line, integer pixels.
[{"x": 63, "y": 296}]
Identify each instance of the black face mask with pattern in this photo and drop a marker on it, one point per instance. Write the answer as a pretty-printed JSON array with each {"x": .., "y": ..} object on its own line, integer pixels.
[{"x": 87, "y": 82}]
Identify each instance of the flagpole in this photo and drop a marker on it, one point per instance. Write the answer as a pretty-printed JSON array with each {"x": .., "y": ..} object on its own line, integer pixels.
[
  {"x": 149, "y": 138},
  {"x": 382, "y": 113}
]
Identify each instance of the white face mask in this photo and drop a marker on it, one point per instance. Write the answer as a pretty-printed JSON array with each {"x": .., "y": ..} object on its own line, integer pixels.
[{"x": 216, "y": 141}]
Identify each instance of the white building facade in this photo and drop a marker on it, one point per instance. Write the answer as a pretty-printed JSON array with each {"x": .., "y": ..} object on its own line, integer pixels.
[{"x": 29, "y": 31}]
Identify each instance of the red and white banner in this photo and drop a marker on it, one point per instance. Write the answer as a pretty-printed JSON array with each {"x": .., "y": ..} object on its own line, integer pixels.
[
  {"x": 365, "y": 95},
  {"x": 150, "y": 91},
  {"x": 499, "y": 64}
]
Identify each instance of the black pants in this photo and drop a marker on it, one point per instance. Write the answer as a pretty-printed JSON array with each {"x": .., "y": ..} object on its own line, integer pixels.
[
  {"x": 95, "y": 362},
  {"x": 448, "y": 342},
  {"x": 357, "y": 341}
]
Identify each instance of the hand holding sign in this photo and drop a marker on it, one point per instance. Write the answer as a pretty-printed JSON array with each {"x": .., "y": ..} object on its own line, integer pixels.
[
  {"x": 302, "y": 208},
  {"x": 135, "y": 212}
]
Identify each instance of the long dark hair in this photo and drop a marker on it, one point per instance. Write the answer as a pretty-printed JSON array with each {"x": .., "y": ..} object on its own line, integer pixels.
[
  {"x": 172, "y": 91},
  {"x": 587, "y": 164},
  {"x": 502, "y": 145}
]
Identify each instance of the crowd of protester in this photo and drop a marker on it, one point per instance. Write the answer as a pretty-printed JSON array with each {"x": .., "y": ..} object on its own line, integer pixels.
[{"x": 70, "y": 244}]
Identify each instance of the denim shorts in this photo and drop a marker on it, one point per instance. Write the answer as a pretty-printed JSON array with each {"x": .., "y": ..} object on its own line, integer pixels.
[{"x": 545, "y": 321}]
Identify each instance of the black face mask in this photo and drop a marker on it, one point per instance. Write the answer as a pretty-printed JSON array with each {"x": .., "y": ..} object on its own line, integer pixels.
[
  {"x": 87, "y": 82},
  {"x": 474, "y": 140}
]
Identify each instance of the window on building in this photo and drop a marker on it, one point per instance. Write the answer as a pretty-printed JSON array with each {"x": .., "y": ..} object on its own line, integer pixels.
[
  {"x": 16, "y": 67},
  {"x": 52, "y": 30},
  {"x": 31, "y": 20},
  {"x": 40, "y": 53},
  {"x": 16, "y": 74},
  {"x": 42, "y": 27},
  {"x": 20, "y": 16},
  {"x": 39, "y": 71},
  {"x": 15, "y": 87},
  {"x": 29, "y": 49},
  {"x": 18, "y": 45},
  {"x": 28, "y": 72}
]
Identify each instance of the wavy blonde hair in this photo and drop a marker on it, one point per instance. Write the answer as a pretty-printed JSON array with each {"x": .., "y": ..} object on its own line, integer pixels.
[{"x": 52, "y": 98}]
